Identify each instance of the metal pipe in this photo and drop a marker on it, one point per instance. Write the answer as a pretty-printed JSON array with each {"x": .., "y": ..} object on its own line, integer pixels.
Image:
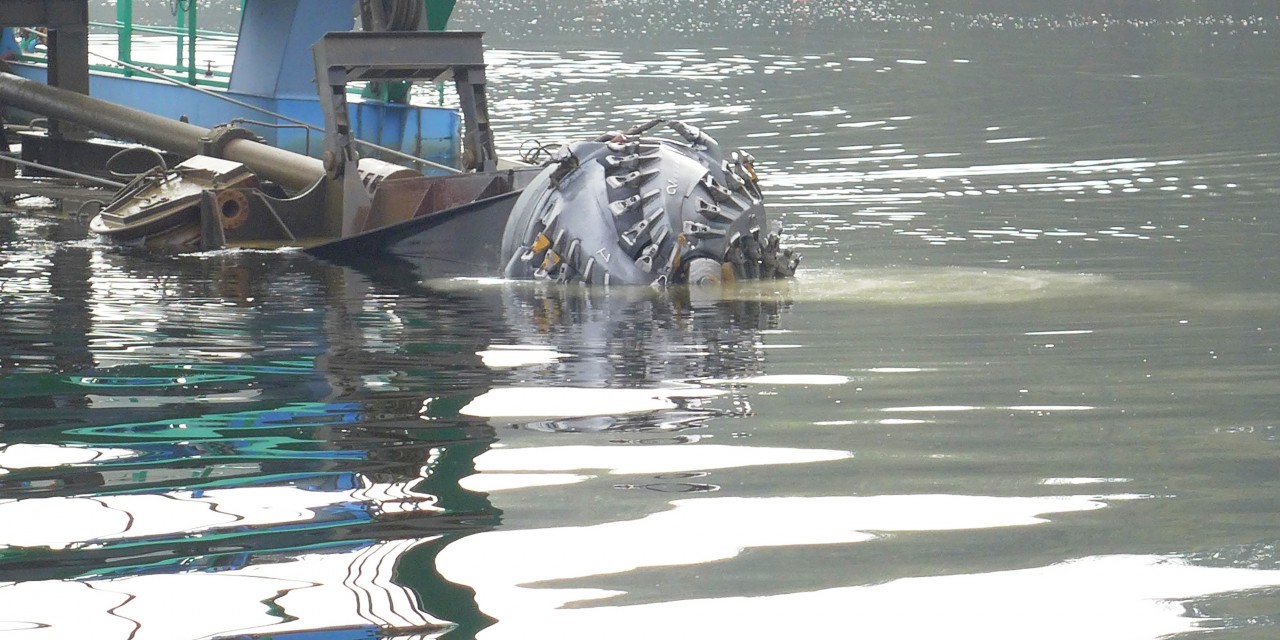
[{"x": 293, "y": 171}]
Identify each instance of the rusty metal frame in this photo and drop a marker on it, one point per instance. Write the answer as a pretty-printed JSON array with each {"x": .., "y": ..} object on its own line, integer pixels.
[{"x": 351, "y": 56}]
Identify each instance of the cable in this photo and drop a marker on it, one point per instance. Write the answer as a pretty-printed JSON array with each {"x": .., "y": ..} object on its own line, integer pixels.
[
  {"x": 163, "y": 165},
  {"x": 64, "y": 172}
]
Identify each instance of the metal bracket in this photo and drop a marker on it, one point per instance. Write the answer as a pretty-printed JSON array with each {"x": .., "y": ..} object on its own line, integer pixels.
[
  {"x": 213, "y": 144},
  {"x": 350, "y": 56}
]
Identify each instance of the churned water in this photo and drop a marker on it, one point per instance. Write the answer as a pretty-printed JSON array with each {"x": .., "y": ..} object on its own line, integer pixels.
[{"x": 1024, "y": 385}]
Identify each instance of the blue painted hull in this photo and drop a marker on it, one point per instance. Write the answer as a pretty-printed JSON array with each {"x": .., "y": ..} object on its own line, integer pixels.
[{"x": 432, "y": 133}]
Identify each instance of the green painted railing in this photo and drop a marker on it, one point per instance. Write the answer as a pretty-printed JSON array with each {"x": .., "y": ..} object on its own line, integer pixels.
[{"x": 186, "y": 35}]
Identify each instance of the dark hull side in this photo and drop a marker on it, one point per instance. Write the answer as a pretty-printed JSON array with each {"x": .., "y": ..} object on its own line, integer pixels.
[{"x": 465, "y": 240}]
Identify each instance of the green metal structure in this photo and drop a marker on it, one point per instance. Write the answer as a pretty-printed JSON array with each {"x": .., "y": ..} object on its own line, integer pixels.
[{"x": 187, "y": 36}]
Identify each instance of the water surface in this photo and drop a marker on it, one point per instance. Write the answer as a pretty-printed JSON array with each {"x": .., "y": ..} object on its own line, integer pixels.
[{"x": 1024, "y": 384}]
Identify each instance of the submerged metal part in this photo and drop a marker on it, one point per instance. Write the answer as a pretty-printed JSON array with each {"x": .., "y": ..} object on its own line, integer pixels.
[
  {"x": 166, "y": 209},
  {"x": 640, "y": 210}
]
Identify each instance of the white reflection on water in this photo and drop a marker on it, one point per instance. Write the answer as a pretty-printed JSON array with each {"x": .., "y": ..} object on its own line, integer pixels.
[
  {"x": 645, "y": 459},
  {"x": 1114, "y": 597},
  {"x": 1102, "y": 596},
  {"x": 569, "y": 402},
  {"x": 1073, "y": 481},
  {"x": 509, "y": 356},
  {"x": 312, "y": 591},
  {"x": 503, "y": 469},
  {"x": 786, "y": 380},
  {"x": 63, "y": 522},
  {"x": 21, "y": 455}
]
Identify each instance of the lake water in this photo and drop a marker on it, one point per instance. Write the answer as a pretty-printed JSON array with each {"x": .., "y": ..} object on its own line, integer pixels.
[{"x": 1024, "y": 385}]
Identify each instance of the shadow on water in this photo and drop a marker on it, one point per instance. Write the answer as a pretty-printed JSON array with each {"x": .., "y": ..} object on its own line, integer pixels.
[{"x": 290, "y": 434}]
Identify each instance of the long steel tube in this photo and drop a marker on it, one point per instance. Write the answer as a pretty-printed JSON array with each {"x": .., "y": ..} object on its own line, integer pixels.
[{"x": 293, "y": 171}]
